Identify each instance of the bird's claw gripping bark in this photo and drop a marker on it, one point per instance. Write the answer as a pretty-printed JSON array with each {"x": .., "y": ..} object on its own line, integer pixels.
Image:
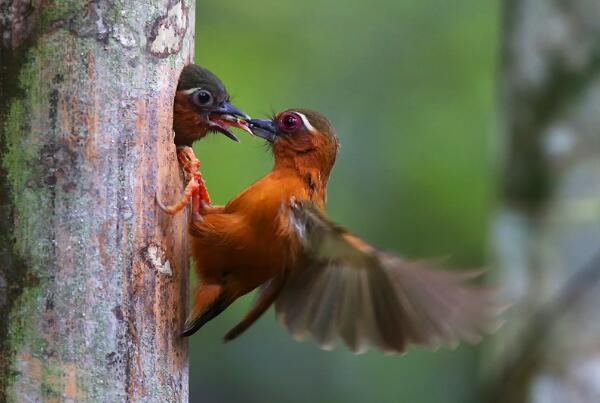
[
  {"x": 195, "y": 188},
  {"x": 191, "y": 165}
]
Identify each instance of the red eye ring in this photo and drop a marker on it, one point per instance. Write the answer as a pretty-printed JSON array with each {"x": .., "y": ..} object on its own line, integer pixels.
[{"x": 289, "y": 122}]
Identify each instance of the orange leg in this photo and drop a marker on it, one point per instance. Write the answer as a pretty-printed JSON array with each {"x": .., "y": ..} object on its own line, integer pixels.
[
  {"x": 194, "y": 190},
  {"x": 191, "y": 189}
]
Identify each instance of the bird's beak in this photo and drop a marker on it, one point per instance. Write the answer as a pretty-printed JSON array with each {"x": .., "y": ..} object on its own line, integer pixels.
[
  {"x": 264, "y": 128},
  {"x": 226, "y": 115},
  {"x": 227, "y": 108}
]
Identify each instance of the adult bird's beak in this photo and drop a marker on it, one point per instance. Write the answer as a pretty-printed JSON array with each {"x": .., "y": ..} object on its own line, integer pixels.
[
  {"x": 226, "y": 115},
  {"x": 264, "y": 128}
]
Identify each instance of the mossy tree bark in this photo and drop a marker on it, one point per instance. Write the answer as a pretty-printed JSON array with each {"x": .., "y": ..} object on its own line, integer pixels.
[
  {"x": 92, "y": 276},
  {"x": 547, "y": 234}
]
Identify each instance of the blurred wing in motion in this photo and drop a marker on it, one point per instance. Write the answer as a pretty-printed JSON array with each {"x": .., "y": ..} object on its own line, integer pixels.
[{"x": 352, "y": 291}]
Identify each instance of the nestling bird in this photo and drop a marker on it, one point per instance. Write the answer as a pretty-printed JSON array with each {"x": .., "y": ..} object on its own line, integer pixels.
[
  {"x": 323, "y": 280},
  {"x": 202, "y": 105}
]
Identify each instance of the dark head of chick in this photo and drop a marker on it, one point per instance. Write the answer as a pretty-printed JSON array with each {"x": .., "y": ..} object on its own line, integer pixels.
[{"x": 202, "y": 105}]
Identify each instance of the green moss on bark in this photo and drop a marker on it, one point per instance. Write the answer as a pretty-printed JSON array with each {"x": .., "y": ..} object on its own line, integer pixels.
[
  {"x": 20, "y": 162},
  {"x": 81, "y": 116}
]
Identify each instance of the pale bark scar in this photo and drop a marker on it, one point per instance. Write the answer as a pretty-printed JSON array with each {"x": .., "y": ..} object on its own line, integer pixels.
[{"x": 168, "y": 31}]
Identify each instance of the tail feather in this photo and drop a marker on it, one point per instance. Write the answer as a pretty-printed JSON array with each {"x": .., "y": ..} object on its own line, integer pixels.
[
  {"x": 268, "y": 294},
  {"x": 208, "y": 303}
]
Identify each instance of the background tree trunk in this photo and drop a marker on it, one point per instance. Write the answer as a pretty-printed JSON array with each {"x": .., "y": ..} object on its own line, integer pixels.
[
  {"x": 547, "y": 233},
  {"x": 92, "y": 276}
]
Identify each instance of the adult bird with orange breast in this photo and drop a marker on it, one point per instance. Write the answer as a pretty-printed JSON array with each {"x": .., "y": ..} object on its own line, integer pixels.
[
  {"x": 323, "y": 280},
  {"x": 202, "y": 105}
]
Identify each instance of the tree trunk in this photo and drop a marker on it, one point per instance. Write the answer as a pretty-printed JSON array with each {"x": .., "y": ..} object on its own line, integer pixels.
[
  {"x": 93, "y": 277},
  {"x": 547, "y": 233}
]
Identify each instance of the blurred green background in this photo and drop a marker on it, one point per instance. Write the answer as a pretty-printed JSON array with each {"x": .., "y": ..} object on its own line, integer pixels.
[{"x": 409, "y": 85}]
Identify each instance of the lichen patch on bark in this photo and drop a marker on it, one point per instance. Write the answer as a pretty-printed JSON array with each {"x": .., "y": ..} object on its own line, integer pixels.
[
  {"x": 168, "y": 31},
  {"x": 50, "y": 379},
  {"x": 156, "y": 258}
]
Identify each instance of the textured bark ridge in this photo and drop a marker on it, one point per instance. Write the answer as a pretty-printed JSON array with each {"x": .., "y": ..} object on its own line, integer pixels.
[
  {"x": 546, "y": 236},
  {"x": 93, "y": 277}
]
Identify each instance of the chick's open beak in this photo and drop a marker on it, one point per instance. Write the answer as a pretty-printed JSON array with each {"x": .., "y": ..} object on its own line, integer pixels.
[
  {"x": 264, "y": 128},
  {"x": 226, "y": 115}
]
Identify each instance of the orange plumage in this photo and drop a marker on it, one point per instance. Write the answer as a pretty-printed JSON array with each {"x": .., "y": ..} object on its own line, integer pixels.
[{"x": 324, "y": 281}]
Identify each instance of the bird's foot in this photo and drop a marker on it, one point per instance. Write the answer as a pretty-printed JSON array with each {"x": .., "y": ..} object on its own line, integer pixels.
[
  {"x": 195, "y": 189},
  {"x": 191, "y": 189},
  {"x": 191, "y": 165},
  {"x": 188, "y": 160}
]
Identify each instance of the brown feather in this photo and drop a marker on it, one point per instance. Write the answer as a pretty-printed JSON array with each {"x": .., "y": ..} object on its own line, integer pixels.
[
  {"x": 353, "y": 292},
  {"x": 188, "y": 124},
  {"x": 266, "y": 297}
]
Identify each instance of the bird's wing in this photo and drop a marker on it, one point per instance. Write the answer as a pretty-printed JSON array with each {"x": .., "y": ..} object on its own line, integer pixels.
[{"x": 350, "y": 290}]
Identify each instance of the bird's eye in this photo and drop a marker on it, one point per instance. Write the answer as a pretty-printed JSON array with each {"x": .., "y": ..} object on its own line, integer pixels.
[
  {"x": 202, "y": 97},
  {"x": 289, "y": 122}
]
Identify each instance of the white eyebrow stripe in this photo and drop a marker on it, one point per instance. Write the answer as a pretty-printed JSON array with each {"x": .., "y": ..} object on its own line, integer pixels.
[
  {"x": 307, "y": 124},
  {"x": 191, "y": 90}
]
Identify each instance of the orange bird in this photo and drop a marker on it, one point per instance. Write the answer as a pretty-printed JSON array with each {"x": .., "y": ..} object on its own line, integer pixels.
[{"x": 324, "y": 281}]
